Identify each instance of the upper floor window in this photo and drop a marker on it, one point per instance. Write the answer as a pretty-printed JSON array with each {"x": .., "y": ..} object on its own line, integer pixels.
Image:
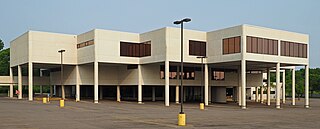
[
  {"x": 293, "y": 49},
  {"x": 86, "y": 43},
  {"x": 135, "y": 49},
  {"x": 231, "y": 45},
  {"x": 262, "y": 45},
  {"x": 188, "y": 72},
  {"x": 217, "y": 75},
  {"x": 197, "y": 48}
]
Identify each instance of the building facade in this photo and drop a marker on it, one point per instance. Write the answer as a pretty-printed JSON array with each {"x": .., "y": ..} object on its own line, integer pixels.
[{"x": 104, "y": 63}]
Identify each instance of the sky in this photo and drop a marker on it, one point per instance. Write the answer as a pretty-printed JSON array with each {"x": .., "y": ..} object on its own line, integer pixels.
[{"x": 79, "y": 16}]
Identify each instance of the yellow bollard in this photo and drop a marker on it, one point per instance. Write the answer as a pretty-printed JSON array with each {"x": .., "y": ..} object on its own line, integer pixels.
[
  {"x": 61, "y": 103},
  {"x": 182, "y": 119},
  {"x": 44, "y": 100},
  {"x": 201, "y": 106}
]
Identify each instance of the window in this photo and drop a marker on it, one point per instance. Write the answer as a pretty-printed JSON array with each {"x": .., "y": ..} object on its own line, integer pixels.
[
  {"x": 188, "y": 72},
  {"x": 86, "y": 43},
  {"x": 262, "y": 45},
  {"x": 293, "y": 49},
  {"x": 231, "y": 45},
  {"x": 135, "y": 49},
  {"x": 217, "y": 75},
  {"x": 197, "y": 48}
]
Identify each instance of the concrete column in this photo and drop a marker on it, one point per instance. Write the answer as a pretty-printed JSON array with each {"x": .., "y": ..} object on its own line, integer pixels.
[
  {"x": 153, "y": 94},
  {"x": 167, "y": 65},
  {"x": 101, "y": 92},
  {"x": 11, "y": 84},
  {"x": 293, "y": 86},
  {"x": 51, "y": 90},
  {"x": 118, "y": 94},
  {"x": 268, "y": 87},
  {"x": 139, "y": 84},
  {"x": 96, "y": 82},
  {"x": 261, "y": 94},
  {"x": 177, "y": 85},
  {"x": 278, "y": 86},
  {"x": 184, "y": 94},
  {"x": 306, "y": 88},
  {"x": 239, "y": 86},
  {"x": 77, "y": 84},
  {"x": 284, "y": 86},
  {"x": 206, "y": 85},
  {"x": 20, "y": 81},
  {"x": 257, "y": 94},
  {"x": 243, "y": 84},
  {"x": 209, "y": 94},
  {"x": 41, "y": 92},
  {"x": 30, "y": 77},
  {"x": 177, "y": 94},
  {"x": 55, "y": 90}
]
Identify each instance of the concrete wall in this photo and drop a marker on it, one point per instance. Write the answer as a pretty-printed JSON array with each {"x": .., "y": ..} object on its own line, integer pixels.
[
  {"x": 19, "y": 50},
  {"x": 158, "y": 45},
  {"x": 86, "y": 54}
]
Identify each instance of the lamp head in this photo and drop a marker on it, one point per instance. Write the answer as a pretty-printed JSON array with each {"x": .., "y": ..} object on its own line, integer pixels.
[{"x": 61, "y": 51}]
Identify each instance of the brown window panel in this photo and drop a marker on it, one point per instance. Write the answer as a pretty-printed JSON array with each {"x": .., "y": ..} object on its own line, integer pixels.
[
  {"x": 197, "y": 48},
  {"x": 225, "y": 46},
  {"x": 203, "y": 50},
  {"x": 296, "y": 50},
  {"x": 265, "y": 46},
  {"x": 237, "y": 44},
  {"x": 291, "y": 49},
  {"x": 254, "y": 45},
  {"x": 260, "y": 45},
  {"x": 148, "y": 49},
  {"x": 231, "y": 45},
  {"x": 287, "y": 45},
  {"x": 191, "y": 48},
  {"x": 305, "y": 51},
  {"x": 300, "y": 50},
  {"x": 270, "y": 43},
  {"x": 249, "y": 44},
  {"x": 275, "y": 47}
]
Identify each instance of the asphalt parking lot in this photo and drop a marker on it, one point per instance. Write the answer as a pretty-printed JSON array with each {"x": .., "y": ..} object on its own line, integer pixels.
[{"x": 22, "y": 114}]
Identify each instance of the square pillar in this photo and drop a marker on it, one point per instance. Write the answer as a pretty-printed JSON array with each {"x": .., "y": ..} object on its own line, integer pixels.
[
  {"x": 101, "y": 92},
  {"x": 139, "y": 84},
  {"x": 30, "y": 78},
  {"x": 206, "y": 85},
  {"x": 268, "y": 87},
  {"x": 209, "y": 94},
  {"x": 261, "y": 94},
  {"x": 284, "y": 86},
  {"x": 278, "y": 85},
  {"x": 257, "y": 94},
  {"x": 177, "y": 85},
  {"x": 96, "y": 81},
  {"x": 153, "y": 94},
  {"x": 118, "y": 94},
  {"x": 19, "y": 82},
  {"x": 51, "y": 90},
  {"x": 243, "y": 84},
  {"x": 239, "y": 86},
  {"x": 77, "y": 84},
  {"x": 167, "y": 65},
  {"x": 306, "y": 88},
  {"x": 11, "y": 84},
  {"x": 293, "y": 86}
]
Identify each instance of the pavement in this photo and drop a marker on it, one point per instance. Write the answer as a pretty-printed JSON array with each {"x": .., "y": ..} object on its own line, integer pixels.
[{"x": 23, "y": 114}]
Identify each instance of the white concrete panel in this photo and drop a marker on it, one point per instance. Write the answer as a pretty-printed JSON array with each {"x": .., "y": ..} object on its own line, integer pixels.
[
  {"x": 158, "y": 45},
  {"x": 19, "y": 50}
]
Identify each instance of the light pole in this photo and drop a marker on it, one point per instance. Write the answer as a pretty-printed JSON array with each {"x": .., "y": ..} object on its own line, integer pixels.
[
  {"x": 201, "y": 94},
  {"x": 61, "y": 75},
  {"x": 182, "y": 115}
]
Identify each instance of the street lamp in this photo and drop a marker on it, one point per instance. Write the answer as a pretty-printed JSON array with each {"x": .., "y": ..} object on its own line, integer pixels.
[
  {"x": 61, "y": 75},
  {"x": 181, "y": 116},
  {"x": 201, "y": 94}
]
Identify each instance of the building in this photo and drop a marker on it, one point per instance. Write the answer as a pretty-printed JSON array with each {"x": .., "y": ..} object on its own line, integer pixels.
[{"x": 122, "y": 65}]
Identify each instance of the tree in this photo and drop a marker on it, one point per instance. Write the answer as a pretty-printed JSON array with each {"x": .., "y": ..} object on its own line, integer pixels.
[
  {"x": 1, "y": 45},
  {"x": 4, "y": 62}
]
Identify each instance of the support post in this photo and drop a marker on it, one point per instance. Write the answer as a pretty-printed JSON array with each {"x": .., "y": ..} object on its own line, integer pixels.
[
  {"x": 243, "y": 84},
  {"x": 206, "y": 85},
  {"x": 239, "y": 86},
  {"x": 20, "y": 82},
  {"x": 118, "y": 94},
  {"x": 77, "y": 84},
  {"x": 41, "y": 92},
  {"x": 101, "y": 93},
  {"x": 139, "y": 85},
  {"x": 96, "y": 82},
  {"x": 257, "y": 94},
  {"x": 11, "y": 84},
  {"x": 30, "y": 76},
  {"x": 177, "y": 85},
  {"x": 167, "y": 65},
  {"x": 261, "y": 94},
  {"x": 278, "y": 85},
  {"x": 153, "y": 94},
  {"x": 293, "y": 86},
  {"x": 284, "y": 86},
  {"x": 268, "y": 87},
  {"x": 306, "y": 88}
]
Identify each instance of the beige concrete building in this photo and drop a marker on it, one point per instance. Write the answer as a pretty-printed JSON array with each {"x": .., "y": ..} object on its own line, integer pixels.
[{"x": 104, "y": 64}]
